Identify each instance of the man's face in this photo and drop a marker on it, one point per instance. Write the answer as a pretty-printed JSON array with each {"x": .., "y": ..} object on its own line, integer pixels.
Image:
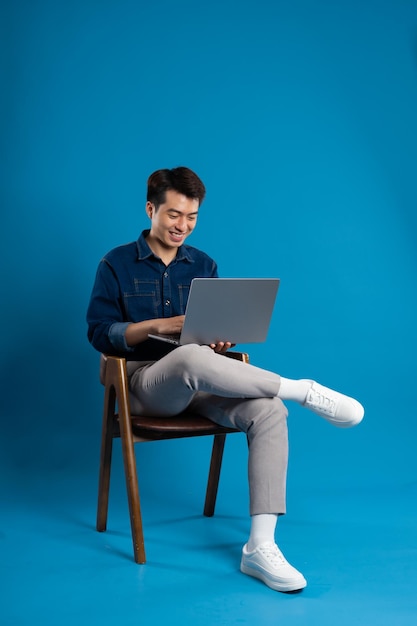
[{"x": 173, "y": 221}]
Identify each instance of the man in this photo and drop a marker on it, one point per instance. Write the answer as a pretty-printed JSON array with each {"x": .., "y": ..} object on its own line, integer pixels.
[{"x": 141, "y": 288}]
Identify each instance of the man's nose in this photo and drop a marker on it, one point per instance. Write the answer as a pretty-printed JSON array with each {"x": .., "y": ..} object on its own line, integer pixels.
[{"x": 181, "y": 224}]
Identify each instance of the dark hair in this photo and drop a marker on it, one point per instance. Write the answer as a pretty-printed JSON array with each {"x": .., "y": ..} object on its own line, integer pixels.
[{"x": 180, "y": 179}]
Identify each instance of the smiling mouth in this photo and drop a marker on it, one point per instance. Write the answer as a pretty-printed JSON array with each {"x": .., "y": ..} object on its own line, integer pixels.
[{"x": 177, "y": 235}]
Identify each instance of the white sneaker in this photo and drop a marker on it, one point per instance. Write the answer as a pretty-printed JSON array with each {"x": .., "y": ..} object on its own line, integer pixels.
[
  {"x": 335, "y": 407},
  {"x": 268, "y": 564}
]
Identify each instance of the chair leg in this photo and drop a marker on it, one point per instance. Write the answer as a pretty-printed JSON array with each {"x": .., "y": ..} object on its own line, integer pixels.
[
  {"x": 129, "y": 461},
  {"x": 214, "y": 474},
  {"x": 133, "y": 494},
  {"x": 105, "y": 460}
]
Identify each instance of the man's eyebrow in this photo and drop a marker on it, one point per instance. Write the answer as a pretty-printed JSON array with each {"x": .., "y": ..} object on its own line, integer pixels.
[{"x": 181, "y": 212}]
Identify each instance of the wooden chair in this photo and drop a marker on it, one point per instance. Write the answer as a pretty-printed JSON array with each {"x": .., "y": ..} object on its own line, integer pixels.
[{"x": 135, "y": 429}]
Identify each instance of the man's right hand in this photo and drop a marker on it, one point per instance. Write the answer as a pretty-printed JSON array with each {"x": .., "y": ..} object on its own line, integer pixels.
[
  {"x": 169, "y": 325},
  {"x": 139, "y": 331}
]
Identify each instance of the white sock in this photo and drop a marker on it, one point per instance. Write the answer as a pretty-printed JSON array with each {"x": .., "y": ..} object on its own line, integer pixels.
[
  {"x": 295, "y": 390},
  {"x": 262, "y": 530}
]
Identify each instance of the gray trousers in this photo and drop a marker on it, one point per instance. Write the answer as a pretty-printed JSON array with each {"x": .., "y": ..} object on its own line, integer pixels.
[{"x": 230, "y": 393}]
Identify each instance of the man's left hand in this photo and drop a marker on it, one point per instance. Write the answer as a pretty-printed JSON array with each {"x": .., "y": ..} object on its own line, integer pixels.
[{"x": 221, "y": 346}]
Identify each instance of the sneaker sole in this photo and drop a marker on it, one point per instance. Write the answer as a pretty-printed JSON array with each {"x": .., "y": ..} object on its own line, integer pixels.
[{"x": 271, "y": 583}]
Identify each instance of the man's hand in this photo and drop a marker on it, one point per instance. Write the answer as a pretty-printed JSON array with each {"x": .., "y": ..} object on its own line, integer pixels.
[
  {"x": 169, "y": 325},
  {"x": 139, "y": 331},
  {"x": 221, "y": 346}
]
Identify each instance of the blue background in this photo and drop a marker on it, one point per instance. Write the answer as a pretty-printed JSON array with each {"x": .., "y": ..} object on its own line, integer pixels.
[{"x": 300, "y": 117}]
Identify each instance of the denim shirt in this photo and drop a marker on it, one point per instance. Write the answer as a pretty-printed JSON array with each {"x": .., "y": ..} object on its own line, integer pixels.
[{"x": 132, "y": 285}]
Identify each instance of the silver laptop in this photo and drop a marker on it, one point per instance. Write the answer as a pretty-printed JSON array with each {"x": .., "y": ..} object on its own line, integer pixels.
[{"x": 238, "y": 310}]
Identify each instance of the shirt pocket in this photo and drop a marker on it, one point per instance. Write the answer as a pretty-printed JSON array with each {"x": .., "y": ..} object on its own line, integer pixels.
[
  {"x": 183, "y": 293},
  {"x": 144, "y": 302}
]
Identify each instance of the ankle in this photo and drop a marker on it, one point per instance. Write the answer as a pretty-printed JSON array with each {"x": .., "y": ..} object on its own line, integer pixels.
[
  {"x": 295, "y": 390},
  {"x": 262, "y": 530}
]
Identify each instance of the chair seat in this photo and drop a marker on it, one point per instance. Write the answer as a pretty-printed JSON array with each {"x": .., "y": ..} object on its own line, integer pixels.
[{"x": 182, "y": 425}]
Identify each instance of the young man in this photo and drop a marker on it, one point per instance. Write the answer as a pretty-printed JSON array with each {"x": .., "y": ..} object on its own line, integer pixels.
[{"x": 142, "y": 288}]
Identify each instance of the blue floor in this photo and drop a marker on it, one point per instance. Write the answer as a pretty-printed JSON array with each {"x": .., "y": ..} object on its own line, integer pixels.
[{"x": 357, "y": 549}]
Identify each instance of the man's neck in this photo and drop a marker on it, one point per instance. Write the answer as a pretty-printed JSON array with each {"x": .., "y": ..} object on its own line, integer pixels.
[{"x": 167, "y": 255}]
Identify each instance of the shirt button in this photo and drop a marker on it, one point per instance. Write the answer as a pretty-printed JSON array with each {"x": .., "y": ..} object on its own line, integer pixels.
[
  {"x": 165, "y": 274},
  {"x": 167, "y": 302}
]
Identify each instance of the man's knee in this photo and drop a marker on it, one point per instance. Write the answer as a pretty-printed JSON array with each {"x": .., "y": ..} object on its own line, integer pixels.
[
  {"x": 271, "y": 407},
  {"x": 191, "y": 358},
  {"x": 260, "y": 415},
  {"x": 187, "y": 364},
  {"x": 268, "y": 413},
  {"x": 190, "y": 351}
]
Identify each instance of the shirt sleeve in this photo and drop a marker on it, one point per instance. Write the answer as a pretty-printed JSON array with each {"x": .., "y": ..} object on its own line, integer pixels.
[{"x": 106, "y": 324}]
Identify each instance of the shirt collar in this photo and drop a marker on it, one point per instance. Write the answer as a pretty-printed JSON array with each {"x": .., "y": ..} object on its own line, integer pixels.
[{"x": 144, "y": 251}]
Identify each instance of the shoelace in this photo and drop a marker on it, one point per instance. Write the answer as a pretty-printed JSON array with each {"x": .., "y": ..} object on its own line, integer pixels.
[
  {"x": 272, "y": 554},
  {"x": 325, "y": 404}
]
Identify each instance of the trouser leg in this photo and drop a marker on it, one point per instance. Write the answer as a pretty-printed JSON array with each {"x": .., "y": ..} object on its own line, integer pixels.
[
  {"x": 167, "y": 386},
  {"x": 264, "y": 420},
  {"x": 229, "y": 393}
]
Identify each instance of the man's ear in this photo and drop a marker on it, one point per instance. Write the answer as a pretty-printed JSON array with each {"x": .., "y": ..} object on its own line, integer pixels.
[{"x": 149, "y": 209}]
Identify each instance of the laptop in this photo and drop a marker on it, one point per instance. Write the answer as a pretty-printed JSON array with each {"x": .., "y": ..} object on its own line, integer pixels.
[{"x": 238, "y": 310}]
